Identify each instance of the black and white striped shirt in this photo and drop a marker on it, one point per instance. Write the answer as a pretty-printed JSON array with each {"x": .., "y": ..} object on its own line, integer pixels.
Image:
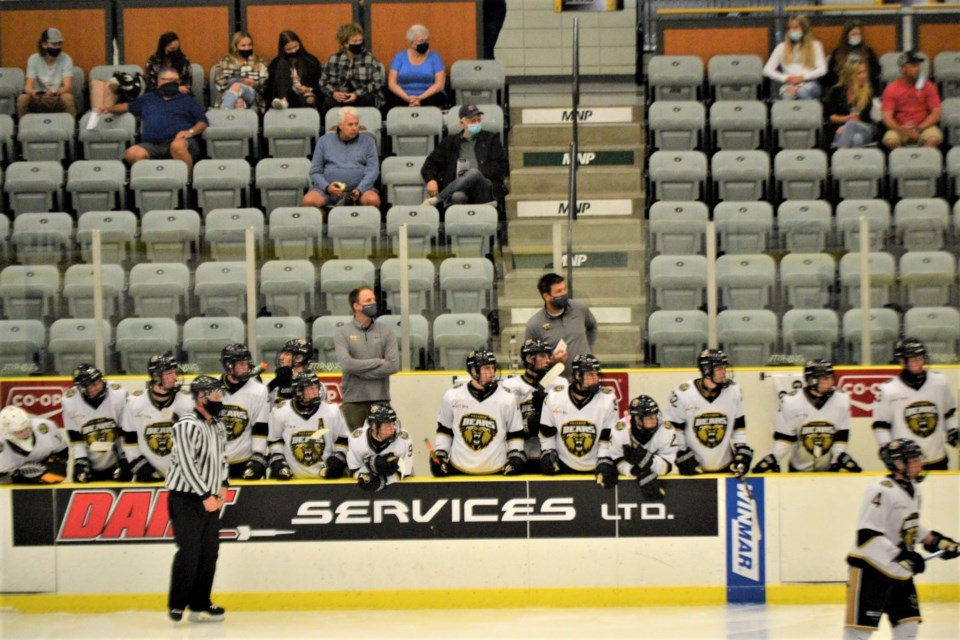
[{"x": 198, "y": 463}]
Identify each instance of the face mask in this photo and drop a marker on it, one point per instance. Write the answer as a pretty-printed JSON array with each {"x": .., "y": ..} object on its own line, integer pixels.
[
  {"x": 423, "y": 47},
  {"x": 369, "y": 310},
  {"x": 169, "y": 89},
  {"x": 474, "y": 129},
  {"x": 53, "y": 52},
  {"x": 245, "y": 53},
  {"x": 355, "y": 49},
  {"x": 176, "y": 54},
  {"x": 213, "y": 407},
  {"x": 795, "y": 36},
  {"x": 293, "y": 56},
  {"x": 560, "y": 302},
  {"x": 854, "y": 42}
]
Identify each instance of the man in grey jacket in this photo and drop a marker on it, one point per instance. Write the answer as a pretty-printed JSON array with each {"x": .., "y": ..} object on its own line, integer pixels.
[
  {"x": 567, "y": 323},
  {"x": 368, "y": 355}
]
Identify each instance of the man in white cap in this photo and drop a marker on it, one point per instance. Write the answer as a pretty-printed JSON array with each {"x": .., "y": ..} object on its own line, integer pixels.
[{"x": 49, "y": 84}]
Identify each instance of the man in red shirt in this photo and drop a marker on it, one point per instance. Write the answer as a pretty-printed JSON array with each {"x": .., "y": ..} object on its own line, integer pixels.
[{"x": 911, "y": 107}]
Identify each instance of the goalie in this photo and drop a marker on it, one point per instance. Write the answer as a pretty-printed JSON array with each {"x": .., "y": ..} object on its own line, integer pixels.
[
  {"x": 32, "y": 450},
  {"x": 380, "y": 452}
]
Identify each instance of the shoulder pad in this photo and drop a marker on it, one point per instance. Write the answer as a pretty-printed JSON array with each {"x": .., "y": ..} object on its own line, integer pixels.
[
  {"x": 138, "y": 392},
  {"x": 404, "y": 435},
  {"x": 115, "y": 386},
  {"x": 357, "y": 433},
  {"x": 684, "y": 386},
  {"x": 886, "y": 482},
  {"x": 621, "y": 425},
  {"x": 279, "y": 402},
  {"x": 70, "y": 392},
  {"x": 606, "y": 390}
]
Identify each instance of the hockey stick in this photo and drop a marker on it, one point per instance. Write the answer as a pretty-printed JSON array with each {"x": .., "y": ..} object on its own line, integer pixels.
[
  {"x": 552, "y": 374},
  {"x": 100, "y": 446},
  {"x": 757, "y": 532},
  {"x": 431, "y": 450},
  {"x": 318, "y": 434},
  {"x": 935, "y": 554}
]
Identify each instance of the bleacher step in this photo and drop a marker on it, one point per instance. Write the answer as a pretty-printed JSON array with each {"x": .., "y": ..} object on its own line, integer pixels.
[
  {"x": 520, "y": 286},
  {"x": 591, "y": 181},
  {"x": 536, "y": 234},
  {"x": 554, "y": 205},
  {"x": 550, "y": 135},
  {"x": 558, "y": 156}
]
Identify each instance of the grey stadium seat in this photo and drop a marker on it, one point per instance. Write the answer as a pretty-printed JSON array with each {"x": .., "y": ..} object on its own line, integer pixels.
[
  {"x": 807, "y": 278},
  {"x": 922, "y": 224},
  {"x": 882, "y": 279},
  {"x": 7, "y": 140},
  {"x": 274, "y": 331},
  {"x": 677, "y": 125},
  {"x": 478, "y": 81},
  {"x": 159, "y": 184},
  {"x": 745, "y": 281},
  {"x": 226, "y": 229},
  {"x": 744, "y": 227},
  {"x": 953, "y": 171},
  {"x": 4, "y": 234},
  {"x": 678, "y": 175},
  {"x": 109, "y": 140},
  {"x": 118, "y": 233},
  {"x": 414, "y": 131},
  {"x": 677, "y": 336},
  {"x": 29, "y": 292},
  {"x": 45, "y": 238},
  {"x": 11, "y": 86},
  {"x": 675, "y": 77},
  {"x": 47, "y": 136},
  {"x": 950, "y": 120},
  {"x": 287, "y": 287},
  {"x": 738, "y": 125},
  {"x": 678, "y": 227},
  {"x": 470, "y": 228},
  {"x": 741, "y": 175},
  {"x": 858, "y": 173},
  {"x": 884, "y": 330},
  {"x": 140, "y": 338},
  {"x": 296, "y": 232},
  {"x": 221, "y": 184},
  {"x": 322, "y": 335},
  {"x": 422, "y": 275},
  {"x": 34, "y": 186},
  {"x": 73, "y": 341},
  {"x": 171, "y": 235},
  {"x": 678, "y": 281},
  {"x": 946, "y": 69},
  {"x": 97, "y": 185},
  {"x": 457, "y": 334},
  {"x": 401, "y": 178},
  {"x": 353, "y": 230},
  {"x": 232, "y": 133},
  {"x": 877, "y": 213},
  {"x": 423, "y": 227},
  {"x": 735, "y": 77},
  {"x": 466, "y": 284},
  {"x": 748, "y": 336},
  {"x": 916, "y": 171},
  {"x": 812, "y": 333},
  {"x": 796, "y": 123},
  {"x": 78, "y": 290},
  {"x": 22, "y": 342},
  {"x": 804, "y": 225},
  {"x": 927, "y": 277},
  {"x": 159, "y": 289},
  {"x": 282, "y": 181},
  {"x": 800, "y": 173},
  {"x": 204, "y": 338},
  {"x": 938, "y": 327},
  {"x": 221, "y": 288},
  {"x": 291, "y": 133},
  {"x": 339, "y": 277}
]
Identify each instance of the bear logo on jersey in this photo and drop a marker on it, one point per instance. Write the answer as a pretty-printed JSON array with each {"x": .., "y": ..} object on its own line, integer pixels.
[
  {"x": 100, "y": 430},
  {"x": 578, "y": 437},
  {"x": 306, "y": 450},
  {"x": 908, "y": 530},
  {"x": 159, "y": 437},
  {"x": 816, "y": 437},
  {"x": 234, "y": 419},
  {"x": 710, "y": 428},
  {"x": 921, "y": 417},
  {"x": 477, "y": 430}
]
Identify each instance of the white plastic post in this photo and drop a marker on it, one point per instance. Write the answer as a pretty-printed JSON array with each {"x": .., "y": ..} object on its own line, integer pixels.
[
  {"x": 866, "y": 342},
  {"x": 250, "y": 258},
  {"x": 712, "y": 340},
  {"x": 557, "y": 247},
  {"x": 98, "y": 337},
  {"x": 404, "y": 300}
]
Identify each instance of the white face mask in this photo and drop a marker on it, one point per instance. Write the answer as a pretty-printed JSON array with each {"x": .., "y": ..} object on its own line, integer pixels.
[{"x": 795, "y": 36}]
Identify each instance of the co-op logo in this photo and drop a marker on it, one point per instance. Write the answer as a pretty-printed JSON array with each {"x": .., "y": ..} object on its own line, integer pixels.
[
  {"x": 862, "y": 389},
  {"x": 43, "y": 401}
]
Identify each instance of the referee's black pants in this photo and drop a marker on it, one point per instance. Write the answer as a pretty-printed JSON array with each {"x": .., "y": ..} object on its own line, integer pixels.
[{"x": 197, "y": 534}]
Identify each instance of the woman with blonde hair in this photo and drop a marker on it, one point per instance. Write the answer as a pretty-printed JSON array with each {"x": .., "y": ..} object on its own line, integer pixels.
[
  {"x": 797, "y": 62},
  {"x": 241, "y": 75},
  {"x": 848, "y": 107}
]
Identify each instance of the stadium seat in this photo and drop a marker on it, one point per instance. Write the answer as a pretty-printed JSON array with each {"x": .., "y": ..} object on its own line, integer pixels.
[
  {"x": 419, "y": 335},
  {"x": 807, "y": 279},
  {"x": 34, "y": 186},
  {"x": 11, "y": 86},
  {"x": 478, "y": 81},
  {"x": 232, "y": 133},
  {"x": 287, "y": 287},
  {"x": 159, "y": 289},
  {"x": 922, "y": 224},
  {"x": 678, "y": 228},
  {"x": 159, "y": 184},
  {"x": 47, "y": 136},
  {"x": 225, "y": 232},
  {"x": 354, "y": 231},
  {"x": 916, "y": 171},
  {"x": 938, "y": 327},
  {"x": 884, "y": 330},
  {"x": 950, "y": 121},
  {"x": 322, "y": 333},
  {"x": 221, "y": 184},
  {"x": 743, "y": 227},
  {"x": 422, "y": 276},
  {"x": 470, "y": 228},
  {"x": 29, "y": 292},
  {"x": 402, "y": 180},
  {"x": 105, "y": 72},
  {"x": 675, "y": 77},
  {"x": 221, "y": 289},
  {"x": 735, "y": 77},
  {"x": 78, "y": 290},
  {"x": 738, "y": 125},
  {"x": 466, "y": 284},
  {"x": 4, "y": 235},
  {"x": 796, "y": 123},
  {"x": 273, "y": 332},
  {"x": 296, "y": 232},
  {"x": 741, "y": 175},
  {"x": 171, "y": 235},
  {"x": 745, "y": 281},
  {"x": 877, "y": 213},
  {"x": 414, "y": 131},
  {"x": 73, "y": 340},
  {"x": 42, "y": 238},
  {"x": 204, "y": 338},
  {"x": 140, "y": 338},
  {"x": 678, "y": 175},
  {"x": 747, "y": 336},
  {"x": 677, "y": 337},
  {"x": 800, "y": 173},
  {"x": 110, "y": 138},
  {"x": 678, "y": 281},
  {"x": 7, "y": 139},
  {"x": 953, "y": 171},
  {"x": 927, "y": 277},
  {"x": 677, "y": 125},
  {"x": 198, "y": 83},
  {"x": 946, "y": 69},
  {"x": 492, "y": 121},
  {"x": 291, "y": 133},
  {"x": 811, "y": 333},
  {"x": 118, "y": 233},
  {"x": 804, "y": 225},
  {"x": 339, "y": 277},
  {"x": 97, "y": 185},
  {"x": 371, "y": 123},
  {"x": 858, "y": 173},
  {"x": 882, "y": 279},
  {"x": 423, "y": 227},
  {"x": 457, "y": 334},
  {"x": 21, "y": 344},
  {"x": 282, "y": 182}
]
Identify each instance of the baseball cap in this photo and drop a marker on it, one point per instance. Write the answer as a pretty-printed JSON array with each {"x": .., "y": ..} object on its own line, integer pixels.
[
  {"x": 470, "y": 110},
  {"x": 909, "y": 57},
  {"x": 54, "y": 36}
]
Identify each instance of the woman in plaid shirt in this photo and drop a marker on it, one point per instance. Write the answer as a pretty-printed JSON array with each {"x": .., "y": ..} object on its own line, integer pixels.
[
  {"x": 352, "y": 76},
  {"x": 241, "y": 75}
]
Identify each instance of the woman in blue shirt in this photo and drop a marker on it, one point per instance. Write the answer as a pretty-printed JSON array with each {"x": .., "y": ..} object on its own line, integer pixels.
[{"x": 417, "y": 75}]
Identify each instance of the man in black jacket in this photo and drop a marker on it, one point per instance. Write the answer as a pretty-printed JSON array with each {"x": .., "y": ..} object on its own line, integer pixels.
[{"x": 467, "y": 167}]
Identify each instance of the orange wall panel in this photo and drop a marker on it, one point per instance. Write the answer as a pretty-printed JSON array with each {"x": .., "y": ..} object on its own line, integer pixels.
[
  {"x": 84, "y": 35},
  {"x": 389, "y": 23},
  {"x": 204, "y": 32},
  {"x": 934, "y": 38},
  {"x": 316, "y": 24},
  {"x": 707, "y": 43}
]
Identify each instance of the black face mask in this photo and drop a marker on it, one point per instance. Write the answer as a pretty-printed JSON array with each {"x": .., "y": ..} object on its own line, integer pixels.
[
  {"x": 53, "y": 52},
  {"x": 423, "y": 47},
  {"x": 176, "y": 55},
  {"x": 292, "y": 56},
  {"x": 245, "y": 53},
  {"x": 169, "y": 90},
  {"x": 213, "y": 407},
  {"x": 355, "y": 49}
]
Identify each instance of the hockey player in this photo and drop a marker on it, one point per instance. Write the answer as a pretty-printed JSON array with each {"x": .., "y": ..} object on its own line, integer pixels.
[
  {"x": 149, "y": 416},
  {"x": 380, "y": 452},
  {"x": 813, "y": 423},
  {"x": 882, "y": 560},
  {"x": 645, "y": 451},
  {"x": 92, "y": 413},
  {"x": 526, "y": 388},
  {"x": 32, "y": 450},
  {"x": 308, "y": 437},
  {"x": 576, "y": 420},
  {"x": 246, "y": 410},
  {"x": 917, "y": 404},
  {"x": 479, "y": 428},
  {"x": 707, "y": 413},
  {"x": 294, "y": 358}
]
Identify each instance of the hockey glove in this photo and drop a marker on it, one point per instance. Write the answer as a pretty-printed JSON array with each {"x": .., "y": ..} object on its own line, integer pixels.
[
  {"x": 651, "y": 489},
  {"x": 911, "y": 561},
  {"x": 515, "y": 462},
  {"x": 440, "y": 463},
  {"x": 336, "y": 465},
  {"x": 549, "y": 463},
  {"x": 687, "y": 463},
  {"x": 767, "y": 464},
  {"x": 370, "y": 482},
  {"x": 385, "y": 464},
  {"x": 845, "y": 463},
  {"x": 279, "y": 469},
  {"x": 256, "y": 468},
  {"x": 953, "y": 437},
  {"x": 81, "y": 470},
  {"x": 142, "y": 471},
  {"x": 122, "y": 473},
  {"x": 940, "y": 542},
  {"x": 607, "y": 474},
  {"x": 742, "y": 457}
]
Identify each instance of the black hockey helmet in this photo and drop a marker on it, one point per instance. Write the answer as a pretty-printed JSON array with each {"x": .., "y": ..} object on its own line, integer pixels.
[
  {"x": 156, "y": 367},
  {"x": 710, "y": 359},
  {"x": 530, "y": 349},
  {"x": 478, "y": 358},
  {"x": 900, "y": 449},
  {"x": 301, "y": 349},
  {"x": 582, "y": 365},
  {"x": 380, "y": 413},
  {"x": 86, "y": 375},
  {"x": 303, "y": 381},
  {"x": 235, "y": 353},
  {"x": 815, "y": 370},
  {"x": 206, "y": 385},
  {"x": 908, "y": 348},
  {"x": 640, "y": 408}
]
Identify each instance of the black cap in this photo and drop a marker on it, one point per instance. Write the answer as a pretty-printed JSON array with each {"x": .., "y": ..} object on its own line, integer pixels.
[
  {"x": 470, "y": 110},
  {"x": 909, "y": 57}
]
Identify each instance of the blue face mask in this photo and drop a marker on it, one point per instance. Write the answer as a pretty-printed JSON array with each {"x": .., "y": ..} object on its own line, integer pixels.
[{"x": 474, "y": 129}]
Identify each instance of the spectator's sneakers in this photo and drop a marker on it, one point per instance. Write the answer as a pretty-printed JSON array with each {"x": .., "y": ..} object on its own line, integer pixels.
[
  {"x": 176, "y": 615},
  {"x": 279, "y": 103},
  {"x": 213, "y": 613},
  {"x": 430, "y": 202}
]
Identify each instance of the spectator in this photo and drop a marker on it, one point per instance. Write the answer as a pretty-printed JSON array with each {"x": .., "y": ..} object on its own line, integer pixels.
[
  {"x": 34, "y": 450},
  {"x": 352, "y": 76},
  {"x": 562, "y": 319},
  {"x": 294, "y": 75},
  {"x": 368, "y": 356},
  {"x": 852, "y": 45},
  {"x": 241, "y": 76},
  {"x": 49, "y": 84},
  {"x": 797, "y": 62},
  {"x": 417, "y": 75},
  {"x": 168, "y": 54},
  {"x": 466, "y": 167},
  {"x": 848, "y": 107},
  {"x": 494, "y": 15},
  {"x": 911, "y": 107},
  {"x": 171, "y": 122},
  {"x": 345, "y": 166}
]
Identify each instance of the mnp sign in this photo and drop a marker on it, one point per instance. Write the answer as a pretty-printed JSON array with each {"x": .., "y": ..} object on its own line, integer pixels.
[{"x": 746, "y": 560}]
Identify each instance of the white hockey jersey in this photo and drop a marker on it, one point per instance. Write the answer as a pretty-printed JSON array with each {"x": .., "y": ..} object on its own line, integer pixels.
[
  {"x": 663, "y": 445},
  {"x": 148, "y": 429},
  {"x": 47, "y": 440},
  {"x": 87, "y": 425},
  {"x": 710, "y": 427},
  {"x": 923, "y": 415},
  {"x": 814, "y": 437},
  {"x": 478, "y": 433},
  {"x": 291, "y": 431},
  {"x": 579, "y": 431},
  {"x": 361, "y": 450},
  {"x": 242, "y": 409},
  {"x": 889, "y": 509},
  {"x": 522, "y": 390}
]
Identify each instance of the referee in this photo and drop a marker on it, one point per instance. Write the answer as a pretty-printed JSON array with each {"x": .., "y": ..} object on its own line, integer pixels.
[{"x": 197, "y": 484}]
